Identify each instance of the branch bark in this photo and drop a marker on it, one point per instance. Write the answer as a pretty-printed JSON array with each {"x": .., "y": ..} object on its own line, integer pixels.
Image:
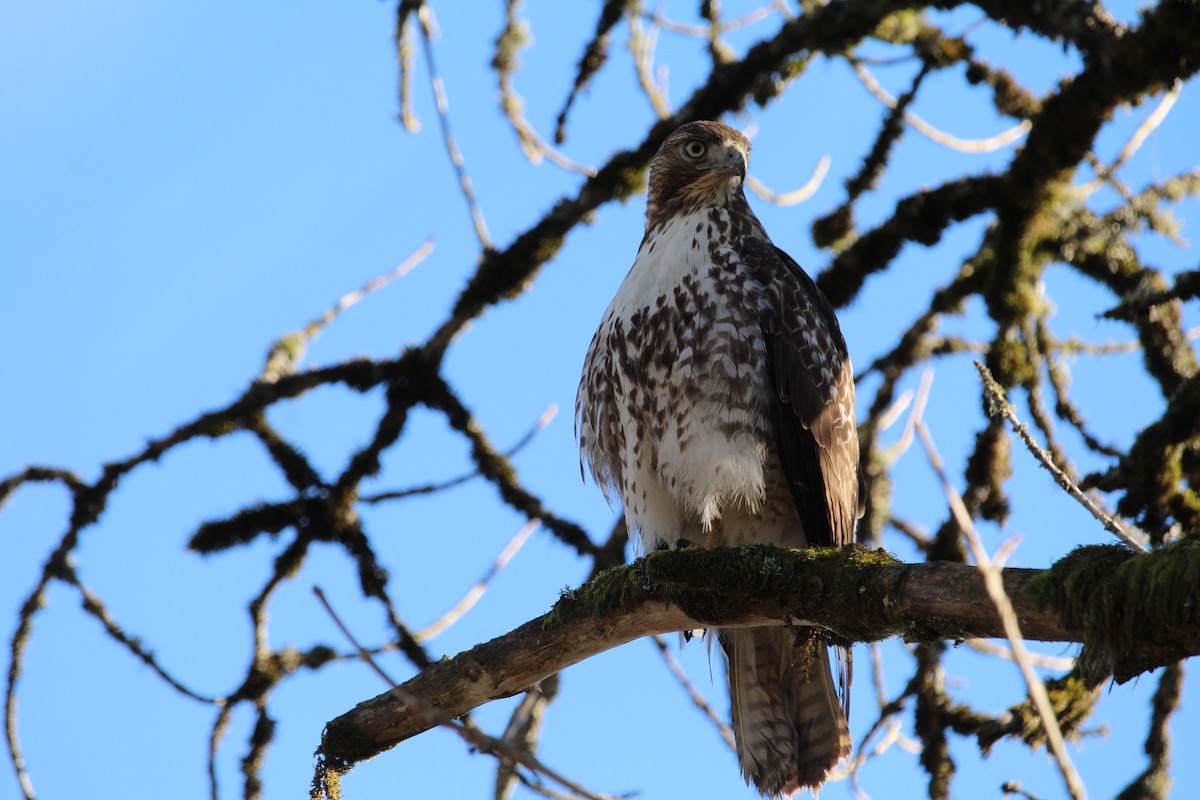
[{"x": 858, "y": 594}]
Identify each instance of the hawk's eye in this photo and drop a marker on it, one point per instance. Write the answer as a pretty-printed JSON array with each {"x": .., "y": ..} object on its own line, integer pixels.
[{"x": 695, "y": 148}]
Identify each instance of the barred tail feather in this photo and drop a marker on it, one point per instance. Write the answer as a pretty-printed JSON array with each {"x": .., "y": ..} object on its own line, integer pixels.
[{"x": 788, "y": 723}]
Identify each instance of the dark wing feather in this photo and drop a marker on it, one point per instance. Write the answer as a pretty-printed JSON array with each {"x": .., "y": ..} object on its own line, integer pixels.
[{"x": 815, "y": 428}]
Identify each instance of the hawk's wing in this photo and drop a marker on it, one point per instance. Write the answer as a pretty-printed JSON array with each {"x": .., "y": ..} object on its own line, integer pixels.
[{"x": 813, "y": 404}]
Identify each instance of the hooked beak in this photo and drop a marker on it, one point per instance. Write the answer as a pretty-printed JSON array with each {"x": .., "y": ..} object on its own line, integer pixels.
[{"x": 734, "y": 161}]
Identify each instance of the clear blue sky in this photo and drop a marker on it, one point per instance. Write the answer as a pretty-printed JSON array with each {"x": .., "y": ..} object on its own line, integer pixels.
[{"x": 181, "y": 184}]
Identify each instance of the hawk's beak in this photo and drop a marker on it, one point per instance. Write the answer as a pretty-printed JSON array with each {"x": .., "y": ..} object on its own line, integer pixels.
[{"x": 735, "y": 161}]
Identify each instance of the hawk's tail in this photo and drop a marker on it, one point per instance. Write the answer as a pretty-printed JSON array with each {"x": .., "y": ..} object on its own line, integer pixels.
[{"x": 787, "y": 720}]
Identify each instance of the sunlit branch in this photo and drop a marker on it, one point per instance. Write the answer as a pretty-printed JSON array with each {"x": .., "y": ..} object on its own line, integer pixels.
[
  {"x": 476, "y": 592},
  {"x": 703, "y": 31},
  {"x": 1107, "y": 172},
  {"x": 288, "y": 350},
  {"x": 998, "y": 404},
  {"x": 798, "y": 195},
  {"x": 508, "y": 44},
  {"x": 1008, "y": 616},
  {"x": 431, "y": 488},
  {"x": 988, "y": 145},
  {"x": 404, "y": 59},
  {"x": 641, "y": 46},
  {"x": 991, "y": 648},
  {"x": 428, "y": 27},
  {"x": 699, "y": 700}
]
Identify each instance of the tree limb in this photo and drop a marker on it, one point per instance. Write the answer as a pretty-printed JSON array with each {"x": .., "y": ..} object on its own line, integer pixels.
[{"x": 858, "y": 594}]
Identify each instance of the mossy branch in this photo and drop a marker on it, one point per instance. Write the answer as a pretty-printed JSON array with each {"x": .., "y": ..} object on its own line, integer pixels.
[{"x": 858, "y": 594}]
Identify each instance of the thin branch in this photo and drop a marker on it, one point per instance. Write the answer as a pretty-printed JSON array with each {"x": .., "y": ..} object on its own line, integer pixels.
[
  {"x": 893, "y": 453},
  {"x": 431, "y": 488},
  {"x": 988, "y": 647},
  {"x": 1154, "y": 783},
  {"x": 1107, "y": 172},
  {"x": 988, "y": 145},
  {"x": 428, "y": 26},
  {"x": 1008, "y": 615},
  {"x": 999, "y": 405},
  {"x": 476, "y": 592},
  {"x": 795, "y": 196},
  {"x": 404, "y": 59},
  {"x": 523, "y": 731},
  {"x": 288, "y": 350},
  {"x": 641, "y": 46},
  {"x": 93, "y": 605},
  {"x": 751, "y": 17},
  {"x": 510, "y": 41},
  {"x": 699, "y": 700},
  {"x": 215, "y": 735},
  {"x": 39, "y": 474}
]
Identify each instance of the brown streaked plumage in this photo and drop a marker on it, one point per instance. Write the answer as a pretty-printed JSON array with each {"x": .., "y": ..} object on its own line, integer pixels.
[{"x": 717, "y": 397}]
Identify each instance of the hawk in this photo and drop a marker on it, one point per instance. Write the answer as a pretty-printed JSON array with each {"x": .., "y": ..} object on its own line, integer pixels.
[{"x": 717, "y": 396}]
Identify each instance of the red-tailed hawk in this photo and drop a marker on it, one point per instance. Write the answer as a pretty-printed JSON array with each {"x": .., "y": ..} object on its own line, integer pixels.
[{"x": 717, "y": 398}]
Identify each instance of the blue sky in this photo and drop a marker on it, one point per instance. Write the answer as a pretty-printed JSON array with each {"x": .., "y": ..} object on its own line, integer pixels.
[{"x": 181, "y": 184}]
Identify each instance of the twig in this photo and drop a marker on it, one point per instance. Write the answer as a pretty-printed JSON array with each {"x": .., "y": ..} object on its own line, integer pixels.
[
  {"x": 700, "y": 701},
  {"x": 428, "y": 33},
  {"x": 1136, "y": 140},
  {"x": 891, "y": 454},
  {"x": 523, "y": 731},
  {"x": 94, "y": 606},
  {"x": 914, "y": 533},
  {"x": 472, "y": 596},
  {"x": 220, "y": 725},
  {"x": 1008, "y": 617},
  {"x": 641, "y": 46},
  {"x": 718, "y": 51},
  {"x": 877, "y": 678},
  {"x": 988, "y": 647},
  {"x": 998, "y": 404},
  {"x": 988, "y": 145},
  {"x": 430, "y": 488},
  {"x": 511, "y": 40},
  {"x": 888, "y": 709},
  {"x": 703, "y": 31},
  {"x": 34, "y": 473},
  {"x": 795, "y": 196},
  {"x": 404, "y": 57},
  {"x": 287, "y": 351}
]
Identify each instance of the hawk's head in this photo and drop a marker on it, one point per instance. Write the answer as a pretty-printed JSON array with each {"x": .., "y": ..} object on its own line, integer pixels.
[{"x": 700, "y": 164}]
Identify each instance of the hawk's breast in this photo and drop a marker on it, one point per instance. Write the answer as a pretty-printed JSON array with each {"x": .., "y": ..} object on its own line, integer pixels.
[{"x": 673, "y": 405}]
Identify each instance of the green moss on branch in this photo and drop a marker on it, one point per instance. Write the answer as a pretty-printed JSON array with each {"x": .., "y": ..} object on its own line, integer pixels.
[{"x": 1131, "y": 609}]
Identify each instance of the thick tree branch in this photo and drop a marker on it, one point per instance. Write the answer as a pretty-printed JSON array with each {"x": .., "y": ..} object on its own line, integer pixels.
[{"x": 859, "y": 595}]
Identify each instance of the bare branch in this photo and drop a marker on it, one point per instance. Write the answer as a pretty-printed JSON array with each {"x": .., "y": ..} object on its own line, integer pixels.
[
  {"x": 798, "y": 195},
  {"x": 475, "y": 592},
  {"x": 999, "y": 405},
  {"x": 641, "y": 46},
  {"x": 994, "y": 585},
  {"x": 699, "y": 700},
  {"x": 430, "y": 488},
  {"x": 1107, "y": 172},
  {"x": 428, "y": 27},
  {"x": 988, "y": 647},
  {"x": 288, "y": 350},
  {"x": 988, "y": 145},
  {"x": 514, "y": 36}
]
